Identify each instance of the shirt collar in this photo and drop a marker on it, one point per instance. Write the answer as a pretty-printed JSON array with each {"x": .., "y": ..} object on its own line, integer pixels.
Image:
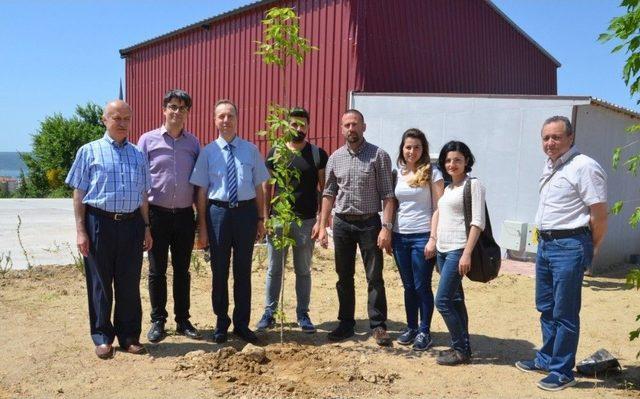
[
  {"x": 563, "y": 158},
  {"x": 222, "y": 143},
  {"x": 359, "y": 149},
  {"x": 113, "y": 142},
  {"x": 163, "y": 130}
]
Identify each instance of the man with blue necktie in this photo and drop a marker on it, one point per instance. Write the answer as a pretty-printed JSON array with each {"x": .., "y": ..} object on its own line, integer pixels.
[
  {"x": 229, "y": 173},
  {"x": 110, "y": 178}
]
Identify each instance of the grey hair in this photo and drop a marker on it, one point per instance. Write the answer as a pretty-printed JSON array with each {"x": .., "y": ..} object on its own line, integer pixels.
[{"x": 568, "y": 128}]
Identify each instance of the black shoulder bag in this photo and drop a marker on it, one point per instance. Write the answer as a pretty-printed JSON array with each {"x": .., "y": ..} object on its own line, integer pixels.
[{"x": 486, "y": 255}]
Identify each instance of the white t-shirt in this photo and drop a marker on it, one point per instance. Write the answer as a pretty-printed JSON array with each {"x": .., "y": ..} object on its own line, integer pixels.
[
  {"x": 452, "y": 233},
  {"x": 565, "y": 199},
  {"x": 414, "y": 205}
]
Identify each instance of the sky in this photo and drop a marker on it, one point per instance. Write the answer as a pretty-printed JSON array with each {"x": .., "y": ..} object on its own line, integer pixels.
[{"x": 55, "y": 55}]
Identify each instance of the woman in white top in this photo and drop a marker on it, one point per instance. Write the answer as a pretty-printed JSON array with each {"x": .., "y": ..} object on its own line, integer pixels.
[
  {"x": 454, "y": 247},
  {"x": 418, "y": 189}
]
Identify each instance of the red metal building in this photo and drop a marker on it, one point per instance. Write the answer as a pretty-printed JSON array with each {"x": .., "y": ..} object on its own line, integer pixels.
[{"x": 419, "y": 46}]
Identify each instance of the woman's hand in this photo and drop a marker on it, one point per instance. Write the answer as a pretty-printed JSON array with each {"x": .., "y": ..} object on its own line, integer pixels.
[
  {"x": 464, "y": 265},
  {"x": 430, "y": 249}
]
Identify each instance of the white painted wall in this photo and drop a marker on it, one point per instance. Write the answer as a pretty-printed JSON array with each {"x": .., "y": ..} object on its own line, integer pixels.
[
  {"x": 598, "y": 131},
  {"x": 504, "y": 136}
]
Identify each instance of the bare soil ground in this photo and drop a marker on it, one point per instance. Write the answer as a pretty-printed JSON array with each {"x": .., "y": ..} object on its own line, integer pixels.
[{"x": 47, "y": 351}]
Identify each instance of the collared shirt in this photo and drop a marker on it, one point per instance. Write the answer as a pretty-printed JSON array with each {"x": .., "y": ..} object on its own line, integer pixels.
[
  {"x": 170, "y": 164},
  {"x": 211, "y": 169},
  {"x": 359, "y": 180},
  {"x": 565, "y": 199},
  {"x": 114, "y": 176}
]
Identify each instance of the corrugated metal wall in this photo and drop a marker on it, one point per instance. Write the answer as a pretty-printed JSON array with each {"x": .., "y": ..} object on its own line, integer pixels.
[
  {"x": 220, "y": 63},
  {"x": 448, "y": 46},
  {"x": 428, "y": 46}
]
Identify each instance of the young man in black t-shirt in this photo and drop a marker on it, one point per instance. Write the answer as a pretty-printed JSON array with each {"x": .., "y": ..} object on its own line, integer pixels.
[{"x": 311, "y": 163}]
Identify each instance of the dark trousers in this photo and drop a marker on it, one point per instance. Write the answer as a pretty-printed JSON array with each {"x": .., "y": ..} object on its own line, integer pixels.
[
  {"x": 114, "y": 264},
  {"x": 232, "y": 231},
  {"x": 173, "y": 232},
  {"x": 346, "y": 237}
]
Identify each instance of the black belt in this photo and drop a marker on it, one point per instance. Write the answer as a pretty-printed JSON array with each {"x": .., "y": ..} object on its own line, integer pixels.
[
  {"x": 226, "y": 204},
  {"x": 112, "y": 215},
  {"x": 557, "y": 234},
  {"x": 355, "y": 218},
  {"x": 170, "y": 210}
]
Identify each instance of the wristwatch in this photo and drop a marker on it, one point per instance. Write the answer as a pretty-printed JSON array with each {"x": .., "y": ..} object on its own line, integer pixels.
[{"x": 388, "y": 225}]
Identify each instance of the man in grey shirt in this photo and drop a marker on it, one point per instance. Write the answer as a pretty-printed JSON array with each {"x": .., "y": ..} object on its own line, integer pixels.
[{"x": 358, "y": 178}]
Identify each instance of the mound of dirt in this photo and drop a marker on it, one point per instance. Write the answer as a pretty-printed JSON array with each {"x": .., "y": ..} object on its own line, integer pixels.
[{"x": 286, "y": 370}]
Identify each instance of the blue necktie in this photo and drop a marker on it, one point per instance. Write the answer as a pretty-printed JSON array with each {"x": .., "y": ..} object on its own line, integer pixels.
[{"x": 232, "y": 180}]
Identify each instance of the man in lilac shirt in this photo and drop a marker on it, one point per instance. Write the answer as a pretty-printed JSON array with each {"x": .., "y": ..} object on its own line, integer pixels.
[{"x": 171, "y": 152}]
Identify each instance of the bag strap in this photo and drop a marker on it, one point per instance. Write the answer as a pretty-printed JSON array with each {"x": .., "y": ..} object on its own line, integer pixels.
[
  {"x": 575, "y": 154},
  {"x": 466, "y": 202},
  {"x": 315, "y": 152}
]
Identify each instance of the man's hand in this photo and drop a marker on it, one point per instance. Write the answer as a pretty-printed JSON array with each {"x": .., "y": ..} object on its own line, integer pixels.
[
  {"x": 261, "y": 231},
  {"x": 83, "y": 243},
  {"x": 315, "y": 230},
  {"x": 203, "y": 238},
  {"x": 430, "y": 249},
  {"x": 148, "y": 240},
  {"x": 384, "y": 240},
  {"x": 464, "y": 265},
  {"x": 322, "y": 237}
]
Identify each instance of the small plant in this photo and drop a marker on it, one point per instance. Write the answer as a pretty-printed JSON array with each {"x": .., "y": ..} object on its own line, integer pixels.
[
  {"x": 6, "y": 263},
  {"x": 197, "y": 264},
  {"x": 260, "y": 255},
  {"x": 633, "y": 280},
  {"x": 78, "y": 259},
  {"x": 24, "y": 250},
  {"x": 282, "y": 42}
]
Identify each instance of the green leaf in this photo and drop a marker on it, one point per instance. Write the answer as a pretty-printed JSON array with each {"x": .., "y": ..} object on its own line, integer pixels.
[
  {"x": 635, "y": 218},
  {"x": 617, "y": 207}
]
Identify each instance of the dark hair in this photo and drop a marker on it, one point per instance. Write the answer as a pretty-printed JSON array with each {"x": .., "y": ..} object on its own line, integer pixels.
[
  {"x": 225, "y": 101},
  {"x": 299, "y": 112},
  {"x": 354, "y": 111},
  {"x": 178, "y": 95},
  {"x": 460, "y": 147},
  {"x": 568, "y": 129},
  {"x": 414, "y": 134}
]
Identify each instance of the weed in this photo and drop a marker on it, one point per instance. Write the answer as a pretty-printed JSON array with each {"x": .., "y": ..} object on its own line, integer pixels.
[
  {"x": 6, "y": 263},
  {"x": 24, "y": 250},
  {"x": 78, "y": 259},
  {"x": 197, "y": 263}
]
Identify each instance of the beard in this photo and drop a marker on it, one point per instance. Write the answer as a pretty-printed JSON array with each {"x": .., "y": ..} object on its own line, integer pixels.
[{"x": 299, "y": 138}]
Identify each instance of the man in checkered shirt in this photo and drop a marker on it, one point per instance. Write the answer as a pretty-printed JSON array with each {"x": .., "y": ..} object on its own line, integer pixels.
[
  {"x": 358, "y": 179},
  {"x": 110, "y": 178}
]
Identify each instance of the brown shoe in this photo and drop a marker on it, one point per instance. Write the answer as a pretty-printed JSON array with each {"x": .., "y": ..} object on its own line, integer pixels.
[
  {"x": 104, "y": 351},
  {"x": 134, "y": 347},
  {"x": 381, "y": 336}
]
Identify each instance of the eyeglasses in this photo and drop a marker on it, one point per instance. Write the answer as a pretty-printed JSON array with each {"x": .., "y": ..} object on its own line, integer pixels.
[{"x": 175, "y": 108}]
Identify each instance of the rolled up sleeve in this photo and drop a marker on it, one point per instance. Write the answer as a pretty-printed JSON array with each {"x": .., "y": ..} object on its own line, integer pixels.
[
  {"x": 331, "y": 183},
  {"x": 385, "y": 178},
  {"x": 477, "y": 204}
]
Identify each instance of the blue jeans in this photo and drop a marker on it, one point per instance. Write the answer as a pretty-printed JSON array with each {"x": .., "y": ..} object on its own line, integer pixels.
[
  {"x": 560, "y": 266},
  {"x": 415, "y": 272},
  {"x": 302, "y": 253},
  {"x": 450, "y": 300}
]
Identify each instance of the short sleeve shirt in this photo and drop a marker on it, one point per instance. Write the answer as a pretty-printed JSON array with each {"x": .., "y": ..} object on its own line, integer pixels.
[
  {"x": 415, "y": 206},
  {"x": 210, "y": 170},
  {"x": 359, "y": 180},
  {"x": 565, "y": 198},
  {"x": 306, "y": 189}
]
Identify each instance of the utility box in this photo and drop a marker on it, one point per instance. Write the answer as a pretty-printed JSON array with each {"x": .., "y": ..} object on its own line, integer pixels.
[
  {"x": 513, "y": 235},
  {"x": 532, "y": 238}
]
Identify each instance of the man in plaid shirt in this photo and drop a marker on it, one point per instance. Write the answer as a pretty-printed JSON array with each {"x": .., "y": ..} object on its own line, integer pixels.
[
  {"x": 358, "y": 179},
  {"x": 110, "y": 178}
]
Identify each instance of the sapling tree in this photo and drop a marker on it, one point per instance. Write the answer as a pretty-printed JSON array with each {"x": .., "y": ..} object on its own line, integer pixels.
[
  {"x": 282, "y": 44},
  {"x": 625, "y": 31}
]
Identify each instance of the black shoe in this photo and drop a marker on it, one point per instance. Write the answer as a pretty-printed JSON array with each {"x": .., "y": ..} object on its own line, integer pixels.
[
  {"x": 220, "y": 336},
  {"x": 453, "y": 358},
  {"x": 247, "y": 335},
  {"x": 343, "y": 331},
  {"x": 187, "y": 329},
  {"x": 156, "y": 332}
]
